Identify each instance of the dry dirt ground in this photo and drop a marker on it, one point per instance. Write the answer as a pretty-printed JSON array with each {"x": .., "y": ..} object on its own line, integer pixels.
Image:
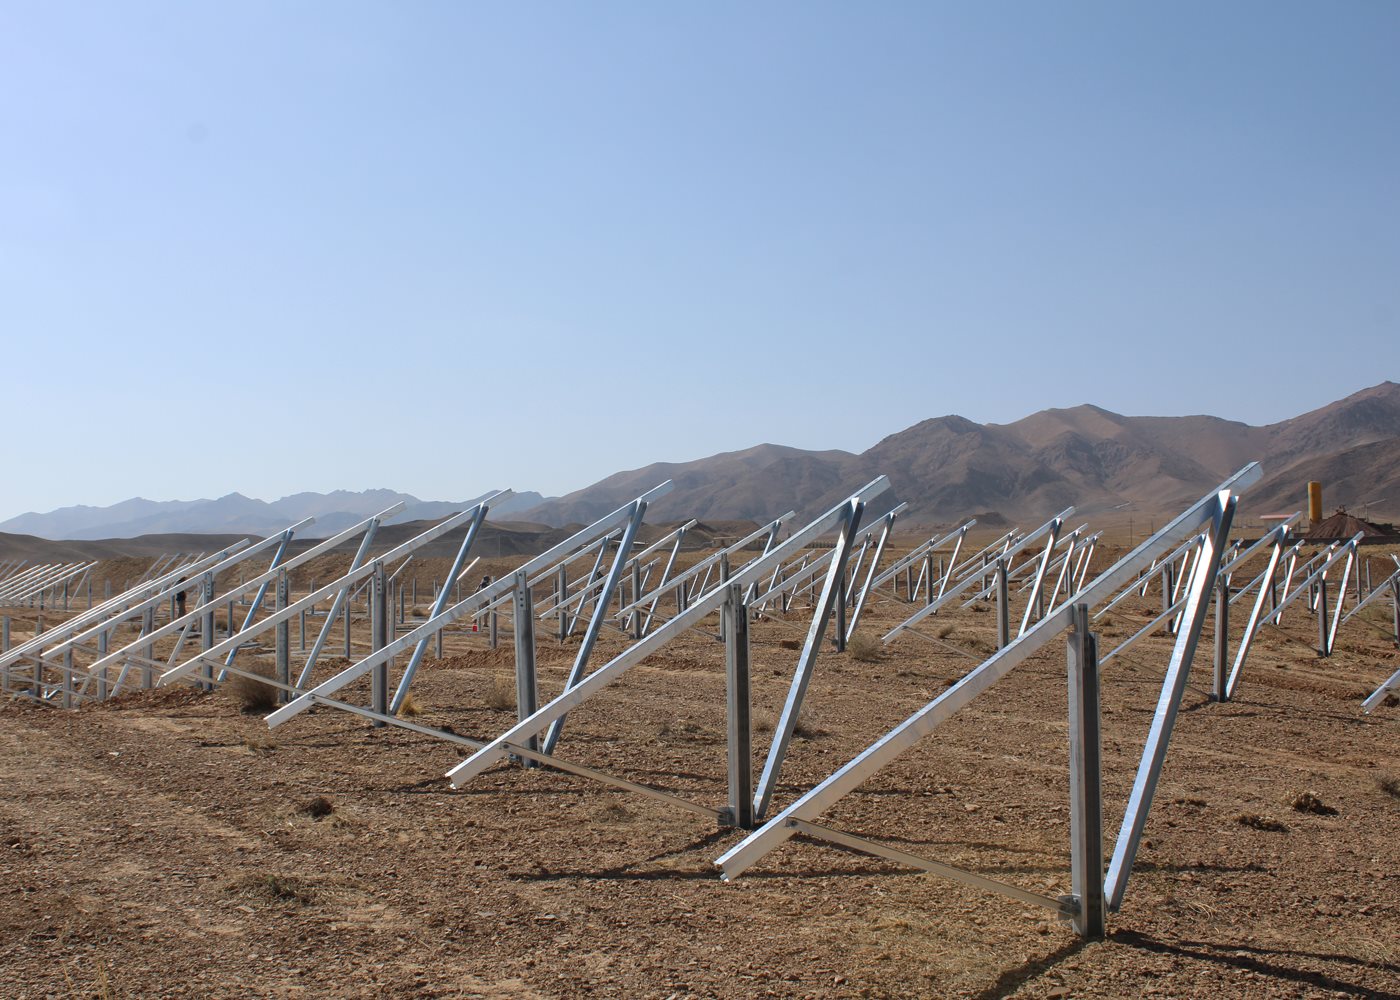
[{"x": 165, "y": 844}]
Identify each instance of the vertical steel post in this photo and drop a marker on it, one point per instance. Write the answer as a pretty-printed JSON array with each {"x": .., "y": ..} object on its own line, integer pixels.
[
  {"x": 301, "y": 632},
  {"x": 1168, "y": 589},
  {"x": 1322, "y": 647},
  {"x": 526, "y": 686},
  {"x": 561, "y": 588},
  {"x": 636, "y": 599},
  {"x": 736, "y": 668},
  {"x": 346, "y": 613},
  {"x": 5, "y": 634},
  {"x": 102, "y": 674},
  {"x": 928, "y": 574},
  {"x": 68, "y": 677},
  {"x": 206, "y": 630},
  {"x": 1085, "y": 792},
  {"x": 1395, "y": 608},
  {"x": 495, "y": 630},
  {"x": 148, "y": 625},
  {"x": 1222, "y": 636},
  {"x": 841, "y": 611},
  {"x": 282, "y": 670},
  {"x": 1003, "y": 606},
  {"x": 378, "y": 639}
]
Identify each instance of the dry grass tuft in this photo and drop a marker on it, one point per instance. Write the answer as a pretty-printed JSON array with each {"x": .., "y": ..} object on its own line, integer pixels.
[
  {"x": 253, "y": 696},
  {"x": 411, "y": 707},
  {"x": 612, "y": 814},
  {"x": 318, "y": 808},
  {"x": 946, "y": 630},
  {"x": 1307, "y": 802},
  {"x": 1265, "y": 823},
  {"x": 790, "y": 644},
  {"x": 806, "y": 727},
  {"x": 501, "y": 697},
  {"x": 1391, "y": 787},
  {"x": 865, "y": 649}
]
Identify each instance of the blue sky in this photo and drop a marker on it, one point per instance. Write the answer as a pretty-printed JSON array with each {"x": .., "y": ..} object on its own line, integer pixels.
[{"x": 444, "y": 247}]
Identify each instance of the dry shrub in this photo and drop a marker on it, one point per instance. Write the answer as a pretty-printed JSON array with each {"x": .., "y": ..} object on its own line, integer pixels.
[
  {"x": 865, "y": 649},
  {"x": 806, "y": 727},
  {"x": 411, "y": 707},
  {"x": 612, "y": 814},
  {"x": 1391, "y": 787},
  {"x": 275, "y": 889},
  {"x": 501, "y": 697},
  {"x": 253, "y": 696},
  {"x": 318, "y": 808},
  {"x": 946, "y": 630},
  {"x": 422, "y": 612},
  {"x": 1307, "y": 802},
  {"x": 1265, "y": 823},
  {"x": 764, "y": 725},
  {"x": 790, "y": 644}
]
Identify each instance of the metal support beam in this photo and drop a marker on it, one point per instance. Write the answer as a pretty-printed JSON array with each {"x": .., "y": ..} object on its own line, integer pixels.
[
  {"x": 527, "y": 694},
  {"x": 736, "y": 667},
  {"x": 1085, "y": 790},
  {"x": 378, "y": 639}
]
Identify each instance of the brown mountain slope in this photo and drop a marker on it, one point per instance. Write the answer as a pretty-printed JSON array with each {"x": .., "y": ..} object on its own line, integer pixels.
[
  {"x": 1368, "y": 472},
  {"x": 950, "y": 467}
]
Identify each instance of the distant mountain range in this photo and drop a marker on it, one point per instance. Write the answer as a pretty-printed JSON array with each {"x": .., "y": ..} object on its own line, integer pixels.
[
  {"x": 237, "y": 514},
  {"x": 949, "y": 467},
  {"x": 946, "y": 468}
]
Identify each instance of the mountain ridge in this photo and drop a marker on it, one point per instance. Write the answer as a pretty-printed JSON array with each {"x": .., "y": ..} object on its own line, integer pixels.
[{"x": 946, "y": 467}]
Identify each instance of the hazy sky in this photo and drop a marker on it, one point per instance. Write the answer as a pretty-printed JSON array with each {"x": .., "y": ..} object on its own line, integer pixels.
[{"x": 442, "y": 247}]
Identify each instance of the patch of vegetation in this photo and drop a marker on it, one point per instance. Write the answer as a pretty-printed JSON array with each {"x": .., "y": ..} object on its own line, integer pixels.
[
  {"x": 253, "y": 695},
  {"x": 1307, "y": 802},
  {"x": 318, "y": 808},
  {"x": 501, "y": 697},
  {"x": 865, "y": 649},
  {"x": 1265, "y": 823}
]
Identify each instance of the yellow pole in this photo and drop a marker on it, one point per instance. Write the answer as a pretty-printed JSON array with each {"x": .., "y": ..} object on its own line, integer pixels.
[{"x": 1314, "y": 502}]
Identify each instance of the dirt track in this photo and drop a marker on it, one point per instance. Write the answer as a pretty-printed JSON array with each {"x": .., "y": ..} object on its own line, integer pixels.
[{"x": 165, "y": 844}]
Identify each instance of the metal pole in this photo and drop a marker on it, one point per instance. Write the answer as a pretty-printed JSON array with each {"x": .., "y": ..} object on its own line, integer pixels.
[
  {"x": 1322, "y": 647},
  {"x": 495, "y": 630},
  {"x": 346, "y": 613},
  {"x": 561, "y": 588},
  {"x": 5, "y": 634},
  {"x": 841, "y": 611},
  {"x": 206, "y": 632},
  {"x": 1168, "y": 586},
  {"x": 736, "y": 664},
  {"x": 1085, "y": 792},
  {"x": 301, "y": 631},
  {"x": 526, "y": 688},
  {"x": 148, "y": 625},
  {"x": 1222, "y": 635},
  {"x": 1003, "y": 606},
  {"x": 281, "y": 598},
  {"x": 636, "y": 597},
  {"x": 1395, "y": 608},
  {"x": 378, "y": 639}
]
